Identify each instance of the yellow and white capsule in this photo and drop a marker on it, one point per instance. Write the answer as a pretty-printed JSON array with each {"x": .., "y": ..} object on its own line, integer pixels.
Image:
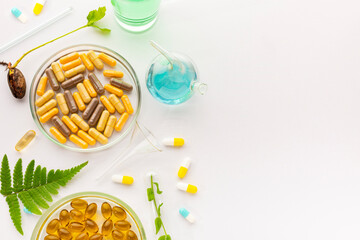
[
  {"x": 184, "y": 167},
  {"x": 39, "y": 4},
  {"x": 186, "y": 187},
  {"x": 25, "y": 140},
  {"x": 128, "y": 180},
  {"x": 173, "y": 142}
]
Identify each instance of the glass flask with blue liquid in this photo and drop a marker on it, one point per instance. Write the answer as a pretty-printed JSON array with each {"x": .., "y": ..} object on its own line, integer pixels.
[{"x": 172, "y": 77}]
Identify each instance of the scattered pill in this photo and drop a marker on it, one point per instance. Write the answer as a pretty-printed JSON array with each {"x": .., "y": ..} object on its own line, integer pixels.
[
  {"x": 90, "y": 108},
  {"x": 173, "y": 142},
  {"x": 61, "y": 126},
  {"x": 116, "y": 103},
  {"x": 187, "y": 187},
  {"x": 82, "y": 236},
  {"x": 121, "y": 122},
  {"x": 106, "y": 210},
  {"x": 78, "y": 141},
  {"x": 68, "y": 58},
  {"x": 79, "y": 122},
  {"x": 110, "y": 126},
  {"x": 53, "y": 226},
  {"x": 47, "y": 116},
  {"x": 105, "y": 101},
  {"x": 54, "y": 84},
  {"x": 107, "y": 59},
  {"x": 64, "y": 217},
  {"x": 126, "y": 101},
  {"x": 113, "y": 74},
  {"x": 96, "y": 83},
  {"x": 88, "y": 64},
  {"x": 90, "y": 210},
  {"x": 46, "y": 107},
  {"x": 91, "y": 226},
  {"x": 121, "y": 84},
  {"x": 70, "y": 101},
  {"x": 25, "y": 140},
  {"x": 95, "y": 60},
  {"x": 111, "y": 89},
  {"x": 119, "y": 213},
  {"x": 71, "y": 65},
  {"x": 74, "y": 71},
  {"x": 57, "y": 71},
  {"x": 98, "y": 136},
  {"x": 19, "y": 15},
  {"x": 39, "y": 4},
  {"x": 89, "y": 88},
  {"x": 96, "y": 236},
  {"x": 44, "y": 98},
  {"x": 75, "y": 227},
  {"x": 57, "y": 134},
  {"x": 107, "y": 227},
  {"x": 62, "y": 103},
  {"x": 187, "y": 215},
  {"x": 41, "y": 86},
  {"x": 117, "y": 235},
  {"x": 72, "y": 82},
  {"x": 184, "y": 167},
  {"x": 77, "y": 215},
  {"x": 83, "y": 93},
  {"x": 70, "y": 124},
  {"x": 79, "y": 102},
  {"x": 64, "y": 234},
  {"x": 122, "y": 179},
  {"x": 102, "y": 121},
  {"x": 86, "y": 137}
]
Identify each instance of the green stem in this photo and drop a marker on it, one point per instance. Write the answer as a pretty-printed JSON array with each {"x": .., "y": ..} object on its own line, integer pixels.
[
  {"x": 152, "y": 187},
  {"x": 17, "y": 62}
]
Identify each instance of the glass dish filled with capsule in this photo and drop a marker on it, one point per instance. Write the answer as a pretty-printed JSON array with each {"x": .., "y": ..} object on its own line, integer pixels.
[
  {"x": 89, "y": 216},
  {"x": 85, "y": 98}
]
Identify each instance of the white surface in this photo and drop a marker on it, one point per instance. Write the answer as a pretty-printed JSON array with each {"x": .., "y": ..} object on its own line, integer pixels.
[{"x": 275, "y": 141}]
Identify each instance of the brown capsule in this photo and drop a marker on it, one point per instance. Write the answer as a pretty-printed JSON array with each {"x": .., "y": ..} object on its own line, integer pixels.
[
  {"x": 106, "y": 210},
  {"x": 96, "y": 115},
  {"x": 99, "y": 88},
  {"x": 90, "y": 108},
  {"x": 76, "y": 227},
  {"x": 96, "y": 236},
  {"x": 51, "y": 237},
  {"x": 91, "y": 210},
  {"x": 119, "y": 213},
  {"x": 76, "y": 215},
  {"x": 64, "y": 217},
  {"x": 121, "y": 84},
  {"x": 61, "y": 126},
  {"x": 72, "y": 82},
  {"x": 52, "y": 79},
  {"x": 53, "y": 226},
  {"x": 70, "y": 101},
  {"x": 117, "y": 235},
  {"x": 91, "y": 226},
  {"x": 122, "y": 225},
  {"x": 130, "y": 235},
  {"x": 17, "y": 83},
  {"x": 107, "y": 227},
  {"x": 82, "y": 236},
  {"x": 79, "y": 204},
  {"x": 64, "y": 234}
]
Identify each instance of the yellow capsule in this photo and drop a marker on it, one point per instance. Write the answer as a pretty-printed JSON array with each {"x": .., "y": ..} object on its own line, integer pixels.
[
  {"x": 88, "y": 64},
  {"x": 38, "y": 7},
  {"x": 117, "y": 235},
  {"x": 91, "y": 210},
  {"x": 119, "y": 213},
  {"x": 79, "y": 101},
  {"x": 53, "y": 226},
  {"x": 106, "y": 210},
  {"x": 57, "y": 134},
  {"x": 90, "y": 88},
  {"x": 126, "y": 101},
  {"x": 57, "y": 71},
  {"x": 128, "y": 180},
  {"x": 187, "y": 187},
  {"x": 103, "y": 120},
  {"x": 107, "y": 59},
  {"x": 91, "y": 226},
  {"x": 25, "y": 140},
  {"x": 184, "y": 167},
  {"x": 111, "y": 89},
  {"x": 44, "y": 98},
  {"x": 96, "y": 236},
  {"x": 64, "y": 217},
  {"x": 47, "y": 116},
  {"x": 46, "y": 107},
  {"x": 79, "y": 122},
  {"x": 86, "y": 137},
  {"x": 105, "y": 101},
  {"x": 76, "y": 227},
  {"x": 51, "y": 237},
  {"x": 68, "y": 58},
  {"x": 41, "y": 86},
  {"x": 116, "y": 103},
  {"x": 79, "y": 204},
  {"x": 130, "y": 235},
  {"x": 113, "y": 73},
  {"x": 64, "y": 234},
  {"x": 95, "y": 60},
  {"x": 110, "y": 126},
  {"x": 107, "y": 227},
  {"x": 98, "y": 136},
  {"x": 122, "y": 225},
  {"x": 62, "y": 103},
  {"x": 70, "y": 124},
  {"x": 82, "y": 236},
  {"x": 83, "y": 93},
  {"x": 71, "y": 65},
  {"x": 76, "y": 70},
  {"x": 76, "y": 215},
  {"x": 121, "y": 122},
  {"x": 173, "y": 142},
  {"x": 78, "y": 141}
]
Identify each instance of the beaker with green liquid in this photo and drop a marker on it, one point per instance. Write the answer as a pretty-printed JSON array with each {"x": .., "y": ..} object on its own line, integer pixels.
[{"x": 136, "y": 15}]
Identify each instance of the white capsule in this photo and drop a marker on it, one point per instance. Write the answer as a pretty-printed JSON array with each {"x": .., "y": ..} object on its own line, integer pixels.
[
  {"x": 173, "y": 142},
  {"x": 187, "y": 215},
  {"x": 19, "y": 15},
  {"x": 187, "y": 187},
  {"x": 128, "y": 180}
]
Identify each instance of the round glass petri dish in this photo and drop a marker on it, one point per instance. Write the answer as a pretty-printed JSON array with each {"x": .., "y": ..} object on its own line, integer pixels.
[
  {"x": 129, "y": 76},
  {"x": 53, "y": 212}
]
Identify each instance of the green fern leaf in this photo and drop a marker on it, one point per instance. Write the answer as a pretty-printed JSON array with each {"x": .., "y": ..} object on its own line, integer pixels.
[
  {"x": 29, "y": 175},
  {"x": 44, "y": 193},
  {"x": 29, "y": 203},
  {"x": 38, "y": 199},
  {"x": 15, "y": 214},
  {"x": 18, "y": 177},
  {"x": 43, "y": 176},
  {"x": 52, "y": 188},
  {"x": 37, "y": 176},
  {"x": 5, "y": 177},
  {"x": 70, "y": 173},
  {"x": 50, "y": 176}
]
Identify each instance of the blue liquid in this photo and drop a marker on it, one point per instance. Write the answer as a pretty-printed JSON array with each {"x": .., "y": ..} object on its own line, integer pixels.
[{"x": 171, "y": 86}]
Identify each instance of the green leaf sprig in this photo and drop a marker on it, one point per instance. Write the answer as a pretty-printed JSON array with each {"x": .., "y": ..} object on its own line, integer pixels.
[
  {"x": 151, "y": 197},
  {"x": 34, "y": 189}
]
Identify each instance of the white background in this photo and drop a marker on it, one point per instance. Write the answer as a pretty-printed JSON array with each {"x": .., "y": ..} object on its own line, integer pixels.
[{"x": 275, "y": 142}]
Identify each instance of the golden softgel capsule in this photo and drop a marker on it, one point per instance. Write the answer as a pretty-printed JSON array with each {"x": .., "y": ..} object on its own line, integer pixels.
[
  {"x": 106, "y": 210},
  {"x": 79, "y": 204}
]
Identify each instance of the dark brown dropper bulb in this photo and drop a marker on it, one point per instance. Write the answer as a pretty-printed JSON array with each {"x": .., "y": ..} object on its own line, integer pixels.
[{"x": 16, "y": 81}]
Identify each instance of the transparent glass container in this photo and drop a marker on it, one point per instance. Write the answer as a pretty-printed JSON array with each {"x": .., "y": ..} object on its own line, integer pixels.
[
  {"x": 129, "y": 76},
  {"x": 53, "y": 212}
]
